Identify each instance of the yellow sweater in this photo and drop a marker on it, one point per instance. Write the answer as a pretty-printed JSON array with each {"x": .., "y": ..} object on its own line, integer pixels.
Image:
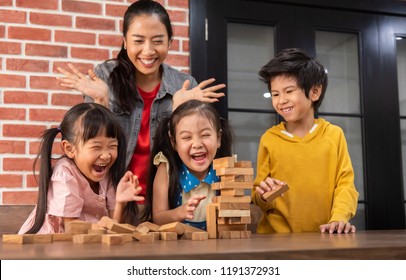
[{"x": 319, "y": 173}]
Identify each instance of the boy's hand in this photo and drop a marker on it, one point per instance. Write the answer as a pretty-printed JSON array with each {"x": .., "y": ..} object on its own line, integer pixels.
[
  {"x": 128, "y": 189},
  {"x": 338, "y": 227},
  {"x": 91, "y": 86},
  {"x": 268, "y": 185},
  {"x": 190, "y": 206}
]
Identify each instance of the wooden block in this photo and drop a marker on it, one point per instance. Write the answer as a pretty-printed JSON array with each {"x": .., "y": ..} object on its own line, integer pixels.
[
  {"x": 150, "y": 226},
  {"x": 231, "y": 185},
  {"x": 234, "y": 206},
  {"x": 142, "y": 229},
  {"x": 168, "y": 236},
  {"x": 77, "y": 227},
  {"x": 42, "y": 238},
  {"x": 271, "y": 195},
  {"x": 173, "y": 227},
  {"x": 234, "y": 221},
  {"x": 246, "y": 234},
  {"x": 243, "y": 164},
  {"x": 18, "y": 238},
  {"x": 86, "y": 238},
  {"x": 231, "y": 227},
  {"x": 96, "y": 226},
  {"x": 199, "y": 236},
  {"x": 223, "y": 162},
  {"x": 62, "y": 237},
  {"x": 243, "y": 199},
  {"x": 234, "y": 213},
  {"x": 187, "y": 235},
  {"x": 234, "y": 171},
  {"x": 235, "y": 192},
  {"x": 211, "y": 220},
  {"x": 107, "y": 222},
  {"x": 229, "y": 234},
  {"x": 147, "y": 237},
  {"x": 97, "y": 231},
  {"x": 189, "y": 228},
  {"x": 237, "y": 178},
  {"x": 112, "y": 239}
]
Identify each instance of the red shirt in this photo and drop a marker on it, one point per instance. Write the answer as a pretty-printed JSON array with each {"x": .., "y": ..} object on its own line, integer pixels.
[{"x": 139, "y": 161}]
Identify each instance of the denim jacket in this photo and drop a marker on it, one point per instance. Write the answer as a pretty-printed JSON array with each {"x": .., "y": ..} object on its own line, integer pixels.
[{"x": 172, "y": 81}]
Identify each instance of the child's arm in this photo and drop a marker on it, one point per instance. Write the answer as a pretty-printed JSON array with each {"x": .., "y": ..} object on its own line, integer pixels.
[
  {"x": 161, "y": 212},
  {"x": 339, "y": 227},
  {"x": 127, "y": 190}
]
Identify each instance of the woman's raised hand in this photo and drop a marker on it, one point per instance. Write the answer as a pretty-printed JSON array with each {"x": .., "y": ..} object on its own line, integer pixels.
[
  {"x": 90, "y": 85},
  {"x": 200, "y": 92}
]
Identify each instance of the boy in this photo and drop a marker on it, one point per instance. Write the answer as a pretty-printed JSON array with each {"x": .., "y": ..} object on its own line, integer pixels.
[{"x": 308, "y": 154}]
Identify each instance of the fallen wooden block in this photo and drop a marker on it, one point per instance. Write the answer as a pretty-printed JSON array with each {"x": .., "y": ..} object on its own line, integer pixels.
[
  {"x": 173, "y": 227},
  {"x": 62, "y": 237},
  {"x": 18, "y": 238},
  {"x": 77, "y": 227},
  {"x": 199, "y": 236},
  {"x": 271, "y": 195},
  {"x": 87, "y": 238},
  {"x": 168, "y": 236},
  {"x": 150, "y": 226},
  {"x": 42, "y": 238},
  {"x": 107, "y": 222}
]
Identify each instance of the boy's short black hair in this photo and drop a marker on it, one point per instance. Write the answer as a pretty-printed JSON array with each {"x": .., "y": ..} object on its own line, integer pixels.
[{"x": 294, "y": 63}]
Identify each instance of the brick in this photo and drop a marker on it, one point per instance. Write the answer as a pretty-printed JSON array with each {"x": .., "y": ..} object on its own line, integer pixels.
[
  {"x": 6, "y": 2},
  {"x": 82, "y": 7},
  {"x": 181, "y": 31},
  {"x": 25, "y": 97},
  {"x": 12, "y": 114},
  {"x": 27, "y": 65},
  {"x": 23, "y": 130},
  {"x": 19, "y": 198},
  {"x": 110, "y": 40},
  {"x": 50, "y": 19},
  {"x": 2, "y": 31},
  {"x": 46, "y": 50},
  {"x": 16, "y": 81},
  {"x": 18, "y": 164},
  {"x": 12, "y": 147},
  {"x": 32, "y": 182},
  {"x": 115, "y": 10},
  {"x": 179, "y": 3},
  {"x": 89, "y": 53},
  {"x": 82, "y": 67},
  {"x": 46, "y": 83},
  {"x": 41, "y": 114},
  {"x": 178, "y": 60},
  {"x": 13, "y": 16},
  {"x": 175, "y": 45},
  {"x": 75, "y": 37},
  {"x": 66, "y": 99},
  {"x": 10, "y": 181},
  {"x": 28, "y": 33},
  {"x": 95, "y": 23},
  {"x": 178, "y": 16},
  {"x": 10, "y": 48},
  {"x": 38, "y": 4}
]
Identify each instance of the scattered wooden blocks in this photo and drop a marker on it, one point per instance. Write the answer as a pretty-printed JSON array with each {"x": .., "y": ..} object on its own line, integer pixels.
[{"x": 18, "y": 238}]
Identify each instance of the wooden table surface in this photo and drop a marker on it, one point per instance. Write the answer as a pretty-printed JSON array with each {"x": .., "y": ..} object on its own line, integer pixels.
[{"x": 389, "y": 244}]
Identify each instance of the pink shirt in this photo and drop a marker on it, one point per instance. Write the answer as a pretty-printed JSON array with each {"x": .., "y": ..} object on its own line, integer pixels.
[{"x": 70, "y": 196}]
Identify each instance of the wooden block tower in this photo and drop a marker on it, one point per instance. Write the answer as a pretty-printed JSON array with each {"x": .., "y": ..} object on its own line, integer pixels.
[{"x": 229, "y": 214}]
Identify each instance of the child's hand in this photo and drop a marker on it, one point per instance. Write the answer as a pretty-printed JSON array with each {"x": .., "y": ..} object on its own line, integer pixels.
[
  {"x": 128, "y": 189},
  {"x": 268, "y": 185},
  {"x": 339, "y": 227},
  {"x": 91, "y": 86},
  {"x": 199, "y": 92},
  {"x": 190, "y": 206}
]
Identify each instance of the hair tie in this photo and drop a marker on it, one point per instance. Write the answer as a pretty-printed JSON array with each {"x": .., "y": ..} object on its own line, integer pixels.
[{"x": 59, "y": 129}]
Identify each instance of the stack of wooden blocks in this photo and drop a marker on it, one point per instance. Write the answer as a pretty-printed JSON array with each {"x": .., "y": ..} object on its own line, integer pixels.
[
  {"x": 229, "y": 214},
  {"x": 109, "y": 232}
]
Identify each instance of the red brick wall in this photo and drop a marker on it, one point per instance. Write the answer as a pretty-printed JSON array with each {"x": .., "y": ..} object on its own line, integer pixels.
[{"x": 36, "y": 37}]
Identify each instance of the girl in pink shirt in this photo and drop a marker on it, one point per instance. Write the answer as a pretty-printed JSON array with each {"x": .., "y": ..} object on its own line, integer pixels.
[{"x": 89, "y": 181}]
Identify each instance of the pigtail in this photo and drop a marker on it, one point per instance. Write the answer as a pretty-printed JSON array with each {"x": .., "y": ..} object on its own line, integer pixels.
[
  {"x": 44, "y": 159},
  {"x": 227, "y": 136}
]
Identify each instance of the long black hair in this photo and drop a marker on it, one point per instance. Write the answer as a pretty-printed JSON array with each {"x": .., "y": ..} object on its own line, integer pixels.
[
  {"x": 162, "y": 143},
  {"x": 81, "y": 123},
  {"x": 122, "y": 77}
]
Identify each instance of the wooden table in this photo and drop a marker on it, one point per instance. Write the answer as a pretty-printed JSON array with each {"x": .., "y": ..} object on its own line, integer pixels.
[{"x": 363, "y": 245}]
